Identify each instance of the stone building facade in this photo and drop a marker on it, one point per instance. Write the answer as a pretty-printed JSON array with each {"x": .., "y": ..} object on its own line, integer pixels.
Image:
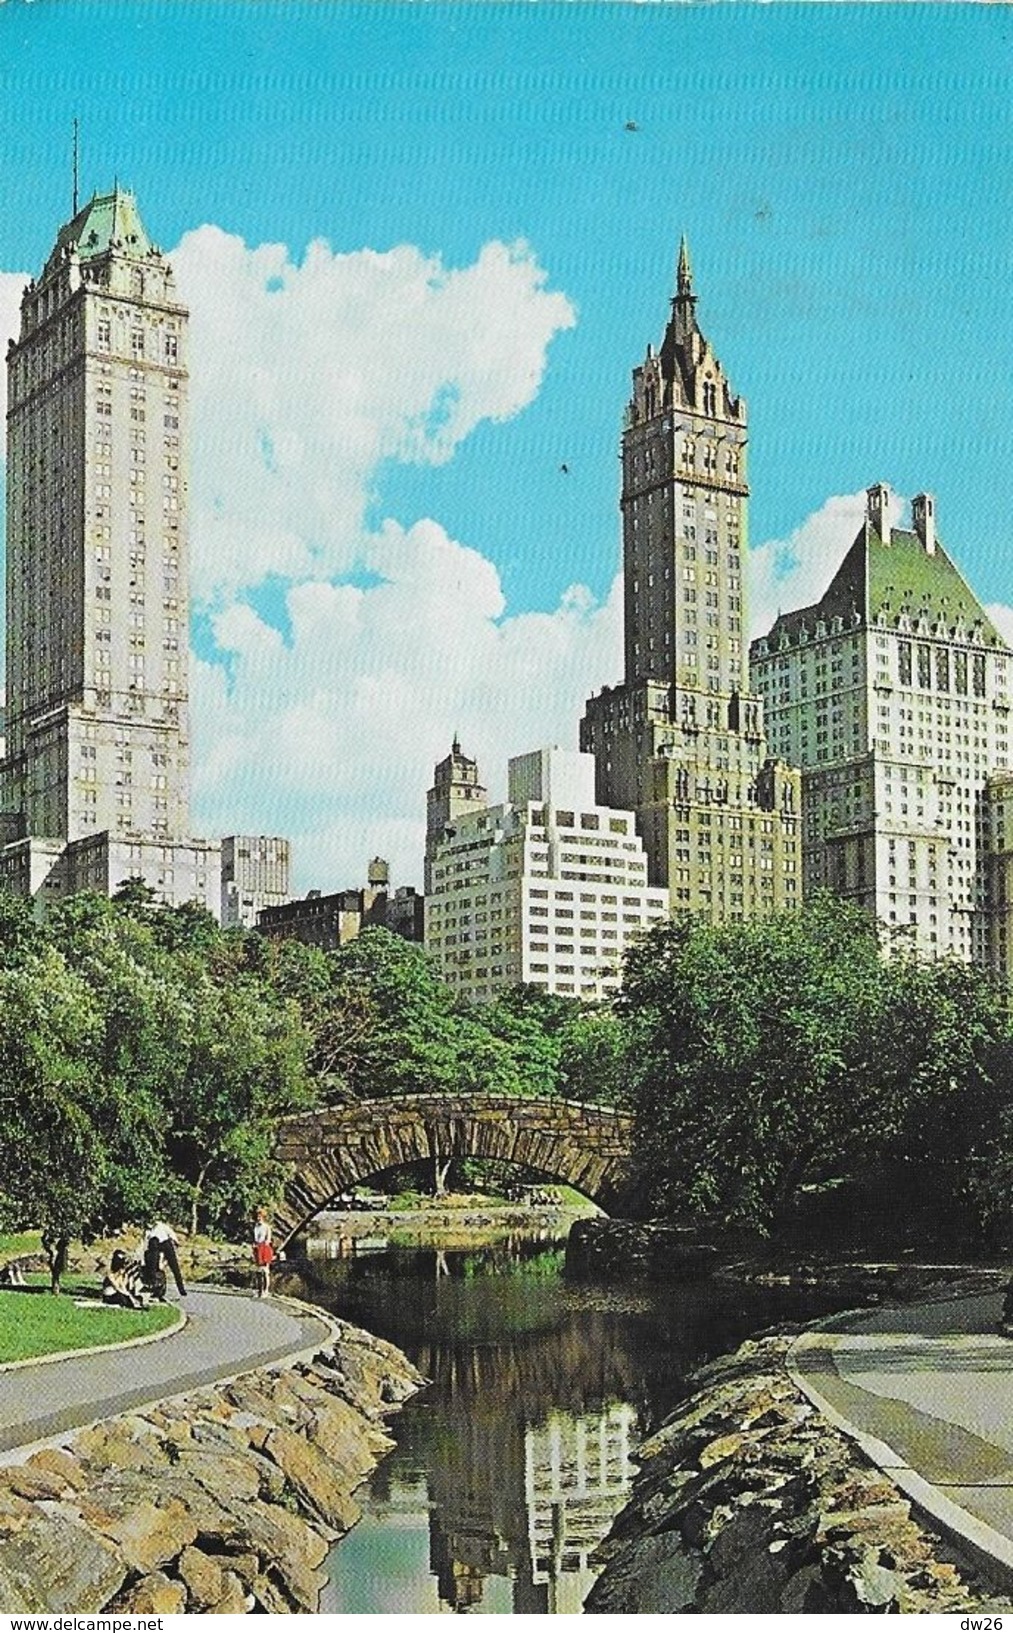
[
  {"x": 456, "y": 791},
  {"x": 681, "y": 741},
  {"x": 997, "y": 833},
  {"x": 330, "y": 921},
  {"x": 892, "y": 693},
  {"x": 97, "y": 767}
]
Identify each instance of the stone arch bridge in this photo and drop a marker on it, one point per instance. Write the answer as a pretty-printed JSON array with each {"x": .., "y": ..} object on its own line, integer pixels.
[{"x": 337, "y": 1147}]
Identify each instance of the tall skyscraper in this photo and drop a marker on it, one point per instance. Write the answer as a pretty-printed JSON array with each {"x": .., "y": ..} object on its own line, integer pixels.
[
  {"x": 681, "y": 741},
  {"x": 95, "y": 785},
  {"x": 893, "y": 693}
]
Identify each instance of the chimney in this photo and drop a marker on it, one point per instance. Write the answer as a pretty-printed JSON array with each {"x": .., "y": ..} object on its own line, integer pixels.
[
  {"x": 878, "y": 510},
  {"x": 923, "y": 515}
]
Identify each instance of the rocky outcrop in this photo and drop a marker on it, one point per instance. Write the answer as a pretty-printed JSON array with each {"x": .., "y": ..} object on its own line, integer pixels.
[
  {"x": 616, "y": 1249},
  {"x": 749, "y": 1500},
  {"x": 604, "y": 1249},
  {"x": 221, "y": 1501}
]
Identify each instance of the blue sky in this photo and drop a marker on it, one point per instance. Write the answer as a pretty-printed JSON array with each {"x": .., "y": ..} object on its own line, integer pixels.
[{"x": 841, "y": 172}]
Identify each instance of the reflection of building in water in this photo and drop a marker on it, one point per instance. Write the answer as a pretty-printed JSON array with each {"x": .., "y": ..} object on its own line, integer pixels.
[
  {"x": 476, "y": 1485},
  {"x": 463, "y": 1559},
  {"x": 539, "y": 1534},
  {"x": 576, "y": 1476}
]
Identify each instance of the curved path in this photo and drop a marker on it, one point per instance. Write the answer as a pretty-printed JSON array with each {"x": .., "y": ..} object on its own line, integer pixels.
[
  {"x": 225, "y": 1333},
  {"x": 927, "y": 1392}
]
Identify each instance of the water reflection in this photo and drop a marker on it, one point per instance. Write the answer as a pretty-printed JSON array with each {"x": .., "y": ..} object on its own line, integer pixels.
[
  {"x": 577, "y": 1473},
  {"x": 511, "y": 1466}
]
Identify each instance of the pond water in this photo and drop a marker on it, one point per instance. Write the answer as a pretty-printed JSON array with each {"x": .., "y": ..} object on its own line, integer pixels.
[{"x": 510, "y": 1467}]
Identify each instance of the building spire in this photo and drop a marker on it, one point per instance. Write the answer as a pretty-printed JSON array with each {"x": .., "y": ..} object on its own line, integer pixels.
[
  {"x": 74, "y": 211},
  {"x": 682, "y": 324},
  {"x": 684, "y": 276}
]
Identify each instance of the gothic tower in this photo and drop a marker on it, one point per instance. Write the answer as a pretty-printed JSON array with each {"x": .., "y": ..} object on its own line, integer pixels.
[
  {"x": 681, "y": 740},
  {"x": 456, "y": 790},
  {"x": 684, "y": 504}
]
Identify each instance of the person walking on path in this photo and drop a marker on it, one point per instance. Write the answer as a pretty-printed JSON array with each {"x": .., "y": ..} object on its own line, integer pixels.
[
  {"x": 263, "y": 1252},
  {"x": 161, "y": 1244}
]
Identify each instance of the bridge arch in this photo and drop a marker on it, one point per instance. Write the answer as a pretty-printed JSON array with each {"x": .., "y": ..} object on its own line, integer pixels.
[{"x": 337, "y": 1147}]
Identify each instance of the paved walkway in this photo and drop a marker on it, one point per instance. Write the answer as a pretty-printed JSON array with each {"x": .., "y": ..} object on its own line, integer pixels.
[
  {"x": 927, "y": 1391},
  {"x": 225, "y": 1333}
]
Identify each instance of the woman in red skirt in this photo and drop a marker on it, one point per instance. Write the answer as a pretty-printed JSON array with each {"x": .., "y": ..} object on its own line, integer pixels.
[{"x": 263, "y": 1253}]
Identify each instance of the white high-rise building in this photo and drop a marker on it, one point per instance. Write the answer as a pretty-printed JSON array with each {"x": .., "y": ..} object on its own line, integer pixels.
[
  {"x": 549, "y": 888},
  {"x": 893, "y": 694},
  {"x": 95, "y": 784},
  {"x": 256, "y": 873}
]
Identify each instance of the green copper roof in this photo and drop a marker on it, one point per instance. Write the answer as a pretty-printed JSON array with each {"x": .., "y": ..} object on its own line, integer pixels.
[
  {"x": 903, "y": 577},
  {"x": 888, "y": 580},
  {"x": 108, "y": 221}
]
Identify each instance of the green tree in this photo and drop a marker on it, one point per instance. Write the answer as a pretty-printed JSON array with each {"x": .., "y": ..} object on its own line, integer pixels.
[
  {"x": 395, "y": 1023},
  {"x": 945, "y": 1046},
  {"x": 593, "y": 1056},
  {"x": 20, "y": 931},
  {"x": 54, "y": 1157},
  {"x": 245, "y": 1066},
  {"x": 529, "y": 1036},
  {"x": 753, "y": 1059},
  {"x": 193, "y": 1057}
]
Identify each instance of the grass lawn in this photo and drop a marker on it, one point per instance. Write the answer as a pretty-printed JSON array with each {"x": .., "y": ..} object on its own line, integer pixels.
[
  {"x": 37, "y": 1323},
  {"x": 14, "y": 1246}
]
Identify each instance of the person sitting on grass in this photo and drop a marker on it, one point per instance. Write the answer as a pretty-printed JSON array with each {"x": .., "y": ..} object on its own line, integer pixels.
[{"x": 123, "y": 1283}]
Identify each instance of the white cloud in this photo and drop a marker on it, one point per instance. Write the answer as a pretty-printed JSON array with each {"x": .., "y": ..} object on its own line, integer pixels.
[
  {"x": 795, "y": 572},
  {"x": 1002, "y": 617},
  {"x": 307, "y": 375},
  {"x": 335, "y": 732}
]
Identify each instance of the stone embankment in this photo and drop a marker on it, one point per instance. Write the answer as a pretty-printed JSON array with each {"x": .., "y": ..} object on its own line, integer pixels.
[
  {"x": 223, "y": 1500},
  {"x": 617, "y": 1249},
  {"x": 749, "y": 1500}
]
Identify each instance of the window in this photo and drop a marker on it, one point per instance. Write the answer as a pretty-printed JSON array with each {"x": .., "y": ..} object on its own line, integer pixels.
[
  {"x": 904, "y": 662},
  {"x": 978, "y": 665}
]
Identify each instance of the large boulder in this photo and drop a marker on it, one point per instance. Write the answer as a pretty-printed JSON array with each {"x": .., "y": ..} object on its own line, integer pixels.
[
  {"x": 318, "y": 1482},
  {"x": 57, "y": 1564},
  {"x": 153, "y": 1595}
]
